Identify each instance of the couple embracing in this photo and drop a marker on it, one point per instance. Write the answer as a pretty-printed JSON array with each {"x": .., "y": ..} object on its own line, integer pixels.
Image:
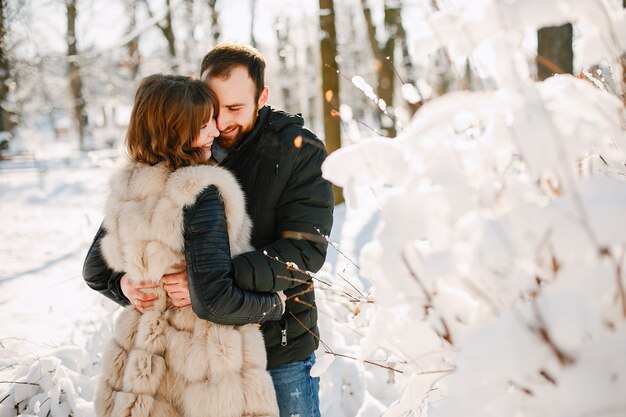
[{"x": 215, "y": 185}]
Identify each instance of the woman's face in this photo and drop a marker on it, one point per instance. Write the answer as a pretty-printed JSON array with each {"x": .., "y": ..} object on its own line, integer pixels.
[{"x": 208, "y": 133}]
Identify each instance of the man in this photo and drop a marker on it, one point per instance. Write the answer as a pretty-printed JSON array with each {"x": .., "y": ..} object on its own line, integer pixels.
[{"x": 278, "y": 164}]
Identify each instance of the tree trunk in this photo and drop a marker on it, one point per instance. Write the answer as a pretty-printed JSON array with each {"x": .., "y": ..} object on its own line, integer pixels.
[
  {"x": 252, "y": 14},
  {"x": 330, "y": 82},
  {"x": 386, "y": 76},
  {"x": 443, "y": 64},
  {"x": 383, "y": 56},
  {"x": 190, "y": 44},
  {"x": 286, "y": 81},
  {"x": 50, "y": 106},
  {"x": 408, "y": 64},
  {"x": 134, "y": 59},
  {"x": 624, "y": 68},
  {"x": 215, "y": 24},
  {"x": 7, "y": 123},
  {"x": 168, "y": 32},
  {"x": 555, "y": 53},
  {"x": 76, "y": 82}
]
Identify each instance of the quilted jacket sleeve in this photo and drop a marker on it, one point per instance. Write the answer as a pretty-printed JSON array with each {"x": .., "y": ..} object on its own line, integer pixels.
[
  {"x": 98, "y": 276},
  {"x": 305, "y": 209},
  {"x": 214, "y": 295}
]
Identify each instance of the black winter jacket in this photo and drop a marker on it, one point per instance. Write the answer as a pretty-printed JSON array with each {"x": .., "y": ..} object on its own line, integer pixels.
[{"x": 278, "y": 165}]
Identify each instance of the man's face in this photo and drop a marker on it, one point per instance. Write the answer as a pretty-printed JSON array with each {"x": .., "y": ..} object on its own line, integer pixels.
[{"x": 238, "y": 107}]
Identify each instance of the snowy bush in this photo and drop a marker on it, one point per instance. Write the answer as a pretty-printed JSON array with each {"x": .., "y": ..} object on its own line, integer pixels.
[
  {"x": 59, "y": 383},
  {"x": 498, "y": 265},
  {"x": 54, "y": 385}
]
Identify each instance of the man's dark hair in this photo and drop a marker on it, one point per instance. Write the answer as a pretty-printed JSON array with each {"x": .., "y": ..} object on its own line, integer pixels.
[{"x": 221, "y": 60}]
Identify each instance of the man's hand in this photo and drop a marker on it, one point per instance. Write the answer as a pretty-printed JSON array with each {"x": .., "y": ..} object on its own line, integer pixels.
[
  {"x": 177, "y": 288},
  {"x": 134, "y": 291}
]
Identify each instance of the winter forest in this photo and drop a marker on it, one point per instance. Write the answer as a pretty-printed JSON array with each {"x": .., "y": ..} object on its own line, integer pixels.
[{"x": 477, "y": 262}]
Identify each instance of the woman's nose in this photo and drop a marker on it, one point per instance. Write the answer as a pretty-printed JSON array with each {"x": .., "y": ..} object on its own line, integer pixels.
[{"x": 213, "y": 130}]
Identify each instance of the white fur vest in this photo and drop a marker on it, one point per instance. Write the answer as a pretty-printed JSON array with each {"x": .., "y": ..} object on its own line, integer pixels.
[{"x": 167, "y": 362}]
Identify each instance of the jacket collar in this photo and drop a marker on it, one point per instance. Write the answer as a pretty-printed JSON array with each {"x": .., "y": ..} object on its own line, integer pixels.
[{"x": 269, "y": 118}]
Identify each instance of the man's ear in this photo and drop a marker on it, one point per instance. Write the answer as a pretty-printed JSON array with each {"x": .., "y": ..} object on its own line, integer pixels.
[{"x": 263, "y": 97}]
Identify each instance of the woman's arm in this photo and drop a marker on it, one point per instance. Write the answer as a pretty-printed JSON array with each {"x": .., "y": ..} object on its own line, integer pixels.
[
  {"x": 214, "y": 295},
  {"x": 97, "y": 274},
  {"x": 113, "y": 284}
]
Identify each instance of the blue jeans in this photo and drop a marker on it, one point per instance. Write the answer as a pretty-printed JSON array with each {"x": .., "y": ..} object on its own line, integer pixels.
[{"x": 297, "y": 392}]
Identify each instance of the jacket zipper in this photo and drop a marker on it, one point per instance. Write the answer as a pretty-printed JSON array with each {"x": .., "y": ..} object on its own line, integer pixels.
[{"x": 283, "y": 332}]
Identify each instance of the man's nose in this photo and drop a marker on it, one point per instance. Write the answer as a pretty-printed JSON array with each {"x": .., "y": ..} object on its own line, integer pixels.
[{"x": 221, "y": 121}]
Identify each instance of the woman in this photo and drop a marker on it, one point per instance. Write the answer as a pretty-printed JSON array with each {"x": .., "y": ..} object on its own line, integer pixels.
[{"x": 168, "y": 203}]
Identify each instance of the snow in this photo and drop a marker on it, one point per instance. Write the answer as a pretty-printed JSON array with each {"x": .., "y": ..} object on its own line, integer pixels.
[
  {"x": 53, "y": 326},
  {"x": 476, "y": 269}
]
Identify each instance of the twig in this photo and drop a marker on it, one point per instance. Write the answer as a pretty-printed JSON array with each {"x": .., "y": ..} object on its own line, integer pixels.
[
  {"x": 298, "y": 294},
  {"x": 293, "y": 267},
  {"x": 364, "y": 361},
  {"x": 309, "y": 331},
  {"x": 417, "y": 280},
  {"x": 20, "y": 383},
  {"x": 44, "y": 401},
  {"x": 327, "y": 348},
  {"x": 620, "y": 283},
  {"x": 542, "y": 60},
  {"x": 522, "y": 388},
  {"x": 432, "y": 385},
  {"x": 9, "y": 366},
  {"x": 299, "y": 281},
  {"x": 437, "y": 371},
  {"x": 336, "y": 113},
  {"x": 336, "y": 247},
  {"x": 378, "y": 133},
  {"x": 388, "y": 59},
  {"x": 447, "y": 336},
  {"x": 352, "y": 299},
  {"x": 621, "y": 291},
  {"x": 352, "y": 285},
  {"x": 547, "y": 376},
  {"x": 542, "y": 331}
]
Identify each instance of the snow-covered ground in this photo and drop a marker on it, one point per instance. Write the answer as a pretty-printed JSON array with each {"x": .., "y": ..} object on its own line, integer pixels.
[{"x": 53, "y": 326}]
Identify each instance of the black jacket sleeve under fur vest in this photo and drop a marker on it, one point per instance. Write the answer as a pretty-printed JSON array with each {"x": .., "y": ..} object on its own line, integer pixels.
[{"x": 214, "y": 296}]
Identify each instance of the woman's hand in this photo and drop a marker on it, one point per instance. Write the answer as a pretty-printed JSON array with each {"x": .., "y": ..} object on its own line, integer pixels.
[
  {"x": 134, "y": 292},
  {"x": 177, "y": 288}
]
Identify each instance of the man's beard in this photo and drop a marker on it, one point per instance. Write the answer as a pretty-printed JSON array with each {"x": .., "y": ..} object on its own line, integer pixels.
[{"x": 230, "y": 142}]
